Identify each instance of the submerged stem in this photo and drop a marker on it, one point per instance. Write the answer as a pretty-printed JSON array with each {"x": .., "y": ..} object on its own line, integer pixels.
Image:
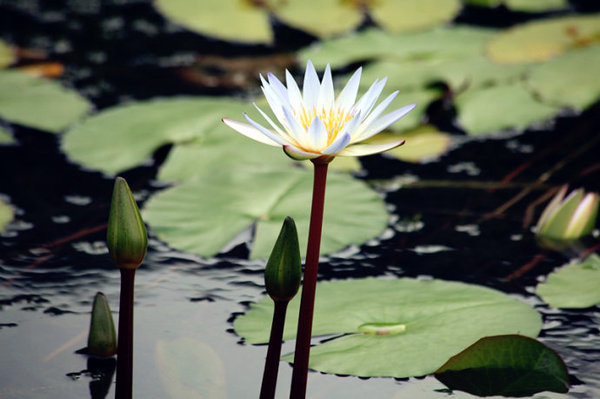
[{"x": 307, "y": 302}]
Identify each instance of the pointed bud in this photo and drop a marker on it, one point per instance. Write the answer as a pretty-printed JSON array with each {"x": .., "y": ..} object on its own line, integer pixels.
[
  {"x": 126, "y": 237},
  {"x": 102, "y": 338},
  {"x": 284, "y": 268}
]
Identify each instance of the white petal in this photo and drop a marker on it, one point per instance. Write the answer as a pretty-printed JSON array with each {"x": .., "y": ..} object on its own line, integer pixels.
[
  {"x": 310, "y": 87},
  {"x": 298, "y": 154},
  {"x": 274, "y": 102},
  {"x": 317, "y": 135},
  {"x": 385, "y": 121},
  {"x": 295, "y": 127},
  {"x": 366, "y": 102},
  {"x": 347, "y": 96},
  {"x": 294, "y": 95},
  {"x": 268, "y": 119},
  {"x": 326, "y": 95},
  {"x": 338, "y": 144},
  {"x": 278, "y": 87},
  {"x": 351, "y": 125},
  {"x": 273, "y": 136},
  {"x": 250, "y": 132},
  {"x": 368, "y": 149},
  {"x": 358, "y": 134}
]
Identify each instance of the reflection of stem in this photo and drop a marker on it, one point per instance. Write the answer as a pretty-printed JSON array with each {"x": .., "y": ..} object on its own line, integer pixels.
[
  {"x": 267, "y": 390},
  {"x": 307, "y": 302},
  {"x": 125, "y": 339}
]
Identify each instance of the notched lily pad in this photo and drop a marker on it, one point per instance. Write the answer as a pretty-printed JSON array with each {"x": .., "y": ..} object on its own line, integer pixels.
[
  {"x": 39, "y": 103},
  {"x": 397, "y": 328},
  {"x": 523, "y": 5},
  {"x": 422, "y": 144},
  {"x": 202, "y": 216},
  {"x": 573, "y": 286},
  {"x": 412, "y": 15},
  {"x": 544, "y": 39},
  {"x": 507, "y": 365}
]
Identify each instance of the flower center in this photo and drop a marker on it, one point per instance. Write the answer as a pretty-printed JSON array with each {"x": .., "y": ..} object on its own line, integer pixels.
[{"x": 333, "y": 119}]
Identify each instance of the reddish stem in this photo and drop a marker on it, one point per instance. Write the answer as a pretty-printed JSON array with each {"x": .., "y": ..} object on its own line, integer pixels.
[
  {"x": 307, "y": 301},
  {"x": 125, "y": 340},
  {"x": 267, "y": 389}
]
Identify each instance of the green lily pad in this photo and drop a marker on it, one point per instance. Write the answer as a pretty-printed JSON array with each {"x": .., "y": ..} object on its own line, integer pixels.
[
  {"x": 188, "y": 368},
  {"x": 39, "y": 103},
  {"x": 202, "y": 216},
  {"x": 493, "y": 109},
  {"x": 6, "y": 214},
  {"x": 7, "y": 56},
  {"x": 370, "y": 44},
  {"x": 398, "y": 328},
  {"x": 322, "y": 18},
  {"x": 574, "y": 285},
  {"x": 127, "y": 135},
  {"x": 5, "y": 136},
  {"x": 422, "y": 144},
  {"x": 568, "y": 80},
  {"x": 544, "y": 39},
  {"x": 523, "y": 5},
  {"x": 507, "y": 365},
  {"x": 410, "y": 15},
  {"x": 234, "y": 20}
]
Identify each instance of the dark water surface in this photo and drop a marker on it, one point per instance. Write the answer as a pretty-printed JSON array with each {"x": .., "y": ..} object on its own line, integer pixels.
[{"x": 53, "y": 258}]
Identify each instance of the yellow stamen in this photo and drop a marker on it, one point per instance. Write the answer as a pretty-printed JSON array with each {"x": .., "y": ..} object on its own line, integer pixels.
[{"x": 333, "y": 119}]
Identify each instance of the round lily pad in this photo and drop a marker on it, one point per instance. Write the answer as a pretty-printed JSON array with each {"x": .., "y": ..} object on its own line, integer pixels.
[
  {"x": 568, "y": 80},
  {"x": 6, "y": 55},
  {"x": 126, "y": 136},
  {"x": 398, "y": 328},
  {"x": 39, "y": 103},
  {"x": 410, "y": 15},
  {"x": 6, "y": 214},
  {"x": 544, "y": 39},
  {"x": 523, "y": 5},
  {"x": 493, "y": 109},
  {"x": 573, "y": 286},
  {"x": 204, "y": 215},
  {"x": 234, "y": 20},
  {"x": 422, "y": 144}
]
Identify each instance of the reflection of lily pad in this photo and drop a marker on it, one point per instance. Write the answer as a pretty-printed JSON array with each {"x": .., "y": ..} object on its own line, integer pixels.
[
  {"x": 422, "y": 144},
  {"x": 507, "y": 365},
  {"x": 544, "y": 39},
  {"x": 496, "y": 108},
  {"x": 6, "y": 214},
  {"x": 6, "y": 55},
  {"x": 224, "y": 19},
  {"x": 189, "y": 368},
  {"x": 39, "y": 103},
  {"x": 126, "y": 136},
  {"x": 573, "y": 286},
  {"x": 439, "y": 319},
  {"x": 569, "y": 80},
  {"x": 203, "y": 216},
  {"x": 409, "y": 15}
]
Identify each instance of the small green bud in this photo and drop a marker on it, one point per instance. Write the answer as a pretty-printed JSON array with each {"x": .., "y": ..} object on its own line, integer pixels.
[
  {"x": 102, "y": 338},
  {"x": 126, "y": 237},
  {"x": 284, "y": 268},
  {"x": 570, "y": 217}
]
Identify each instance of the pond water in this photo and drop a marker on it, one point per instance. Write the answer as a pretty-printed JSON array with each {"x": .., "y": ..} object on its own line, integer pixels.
[{"x": 453, "y": 219}]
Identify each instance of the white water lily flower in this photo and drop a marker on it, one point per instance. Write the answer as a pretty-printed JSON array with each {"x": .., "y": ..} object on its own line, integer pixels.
[{"x": 313, "y": 123}]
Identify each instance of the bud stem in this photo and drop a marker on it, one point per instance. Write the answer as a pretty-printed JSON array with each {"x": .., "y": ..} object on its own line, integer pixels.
[
  {"x": 124, "y": 382},
  {"x": 267, "y": 390}
]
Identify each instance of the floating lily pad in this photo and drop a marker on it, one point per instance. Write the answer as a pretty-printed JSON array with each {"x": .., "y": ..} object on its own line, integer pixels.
[
  {"x": 188, "y": 368},
  {"x": 126, "y": 136},
  {"x": 397, "y": 328},
  {"x": 573, "y": 286},
  {"x": 370, "y": 44},
  {"x": 493, "y": 109},
  {"x": 234, "y": 20},
  {"x": 204, "y": 215},
  {"x": 507, "y": 365},
  {"x": 5, "y": 136},
  {"x": 422, "y": 144},
  {"x": 39, "y": 103},
  {"x": 569, "y": 80},
  {"x": 542, "y": 40},
  {"x": 6, "y": 214},
  {"x": 6, "y": 55},
  {"x": 523, "y": 5},
  {"x": 410, "y": 15}
]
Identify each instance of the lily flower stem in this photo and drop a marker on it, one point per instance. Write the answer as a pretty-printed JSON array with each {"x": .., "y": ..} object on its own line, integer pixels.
[
  {"x": 307, "y": 301},
  {"x": 267, "y": 390},
  {"x": 124, "y": 382}
]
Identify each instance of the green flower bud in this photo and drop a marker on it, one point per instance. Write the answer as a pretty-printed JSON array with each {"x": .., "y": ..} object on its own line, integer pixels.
[
  {"x": 102, "y": 338},
  {"x": 126, "y": 237},
  {"x": 284, "y": 268},
  {"x": 568, "y": 218}
]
